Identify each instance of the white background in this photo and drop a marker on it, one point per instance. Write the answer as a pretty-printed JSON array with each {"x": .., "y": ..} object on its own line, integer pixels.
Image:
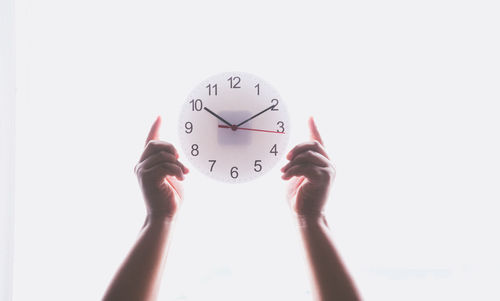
[
  {"x": 7, "y": 122},
  {"x": 405, "y": 94}
]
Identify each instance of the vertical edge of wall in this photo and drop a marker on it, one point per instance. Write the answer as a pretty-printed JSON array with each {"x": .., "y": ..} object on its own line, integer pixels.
[{"x": 7, "y": 146}]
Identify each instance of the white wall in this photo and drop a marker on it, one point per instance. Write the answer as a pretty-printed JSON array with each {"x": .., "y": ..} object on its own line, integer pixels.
[
  {"x": 406, "y": 96},
  {"x": 7, "y": 136}
]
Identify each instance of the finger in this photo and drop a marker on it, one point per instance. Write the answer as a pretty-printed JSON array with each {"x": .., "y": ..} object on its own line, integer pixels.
[
  {"x": 315, "y": 136},
  {"x": 160, "y": 157},
  {"x": 155, "y": 146},
  {"x": 307, "y": 157},
  {"x": 303, "y": 170},
  {"x": 307, "y": 146},
  {"x": 162, "y": 170},
  {"x": 293, "y": 185},
  {"x": 176, "y": 186},
  {"x": 312, "y": 173},
  {"x": 154, "y": 132}
]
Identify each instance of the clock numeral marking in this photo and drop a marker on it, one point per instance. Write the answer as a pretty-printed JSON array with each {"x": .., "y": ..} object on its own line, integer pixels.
[
  {"x": 212, "y": 88},
  {"x": 234, "y": 172},
  {"x": 257, "y": 165},
  {"x": 213, "y": 163},
  {"x": 258, "y": 88},
  {"x": 234, "y": 81},
  {"x": 281, "y": 126},
  {"x": 189, "y": 127},
  {"x": 194, "y": 150},
  {"x": 274, "y": 150},
  {"x": 274, "y": 102},
  {"x": 196, "y": 104}
]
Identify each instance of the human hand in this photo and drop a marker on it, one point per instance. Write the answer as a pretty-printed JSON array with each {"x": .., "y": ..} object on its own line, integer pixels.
[
  {"x": 159, "y": 173},
  {"x": 311, "y": 174}
]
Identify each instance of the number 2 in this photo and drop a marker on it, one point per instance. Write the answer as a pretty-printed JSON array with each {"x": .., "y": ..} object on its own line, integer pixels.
[{"x": 275, "y": 102}]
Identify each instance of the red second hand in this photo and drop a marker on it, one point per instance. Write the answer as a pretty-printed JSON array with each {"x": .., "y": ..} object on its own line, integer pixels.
[{"x": 247, "y": 129}]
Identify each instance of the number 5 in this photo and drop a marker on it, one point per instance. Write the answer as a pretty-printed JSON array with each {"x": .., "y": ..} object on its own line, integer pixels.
[{"x": 257, "y": 165}]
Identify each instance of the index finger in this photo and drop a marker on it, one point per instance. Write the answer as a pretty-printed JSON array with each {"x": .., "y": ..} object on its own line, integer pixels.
[
  {"x": 154, "y": 132},
  {"x": 314, "y": 131}
]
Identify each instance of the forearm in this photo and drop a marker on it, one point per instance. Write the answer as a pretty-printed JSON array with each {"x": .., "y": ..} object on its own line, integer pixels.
[
  {"x": 139, "y": 275},
  {"x": 330, "y": 279}
]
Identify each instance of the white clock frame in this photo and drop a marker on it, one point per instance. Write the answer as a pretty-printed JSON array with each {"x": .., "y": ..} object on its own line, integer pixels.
[{"x": 240, "y": 153}]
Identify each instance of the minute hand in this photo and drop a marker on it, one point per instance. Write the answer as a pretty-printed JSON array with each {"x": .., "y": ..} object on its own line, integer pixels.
[{"x": 243, "y": 122}]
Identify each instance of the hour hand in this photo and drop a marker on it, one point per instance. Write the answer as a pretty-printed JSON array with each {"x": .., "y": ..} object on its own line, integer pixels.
[{"x": 218, "y": 117}]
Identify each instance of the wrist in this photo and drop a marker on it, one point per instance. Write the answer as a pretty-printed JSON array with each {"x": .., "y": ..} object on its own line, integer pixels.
[
  {"x": 308, "y": 220},
  {"x": 155, "y": 218}
]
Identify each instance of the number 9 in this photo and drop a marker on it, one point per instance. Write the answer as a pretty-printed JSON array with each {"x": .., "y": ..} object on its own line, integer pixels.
[{"x": 189, "y": 127}]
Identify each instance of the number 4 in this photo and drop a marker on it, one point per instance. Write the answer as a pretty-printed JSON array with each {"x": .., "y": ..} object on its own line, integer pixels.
[{"x": 274, "y": 150}]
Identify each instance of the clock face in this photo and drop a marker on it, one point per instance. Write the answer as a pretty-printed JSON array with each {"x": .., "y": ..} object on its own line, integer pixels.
[{"x": 234, "y": 127}]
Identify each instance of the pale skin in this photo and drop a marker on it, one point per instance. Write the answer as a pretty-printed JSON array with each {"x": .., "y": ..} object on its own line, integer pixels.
[{"x": 310, "y": 175}]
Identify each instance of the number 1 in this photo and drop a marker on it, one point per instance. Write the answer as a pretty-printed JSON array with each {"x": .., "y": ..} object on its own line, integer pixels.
[{"x": 258, "y": 88}]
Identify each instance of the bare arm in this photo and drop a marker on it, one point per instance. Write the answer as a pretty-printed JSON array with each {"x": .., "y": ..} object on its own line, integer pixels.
[
  {"x": 310, "y": 174},
  {"x": 158, "y": 172},
  {"x": 330, "y": 279}
]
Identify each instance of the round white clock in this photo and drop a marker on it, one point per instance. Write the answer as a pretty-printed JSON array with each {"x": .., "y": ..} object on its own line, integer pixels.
[{"x": 234, "y": 127}]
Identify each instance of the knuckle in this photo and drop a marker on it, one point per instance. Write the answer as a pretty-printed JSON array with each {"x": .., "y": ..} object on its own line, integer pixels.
[
  {"x": 317, "y": 173},
  {"x": 164, "y": 154},
  {"x": 329, "y": 174},
  {"x": 137, "y": 168},
  {"x": 165, "y": 165},
  {"x": 151, "y": 144},
  {"x": 168, "y": 146},
  {"x": 310, "y": 153}
]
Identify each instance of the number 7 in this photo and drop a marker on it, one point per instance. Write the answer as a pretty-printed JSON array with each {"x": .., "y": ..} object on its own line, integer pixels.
[{"x": 213, "y": 163}]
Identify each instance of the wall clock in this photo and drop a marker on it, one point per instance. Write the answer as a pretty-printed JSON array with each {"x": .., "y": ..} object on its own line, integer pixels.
[{"x": 234, "y": 127}]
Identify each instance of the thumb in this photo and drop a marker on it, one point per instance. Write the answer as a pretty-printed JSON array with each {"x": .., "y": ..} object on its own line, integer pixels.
[
  {"x": 314, "y": 131},
  {"x": 154, "y": 132}
]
